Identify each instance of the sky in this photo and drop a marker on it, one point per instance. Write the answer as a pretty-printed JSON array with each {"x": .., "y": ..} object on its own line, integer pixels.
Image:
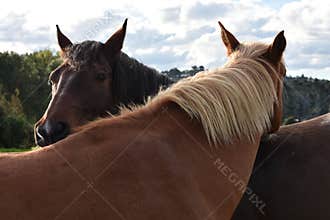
[{"x": 166, "y": 34}]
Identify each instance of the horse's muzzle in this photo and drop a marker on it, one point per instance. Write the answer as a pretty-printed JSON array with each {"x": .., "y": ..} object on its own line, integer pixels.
[{"x": 50, "y": 132}]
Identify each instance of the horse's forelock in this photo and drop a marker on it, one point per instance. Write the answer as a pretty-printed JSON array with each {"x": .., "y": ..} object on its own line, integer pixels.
[{"x": 86, "y": 52}]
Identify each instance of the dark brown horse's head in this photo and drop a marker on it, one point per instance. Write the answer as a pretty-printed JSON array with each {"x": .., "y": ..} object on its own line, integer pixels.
[{"x": 81, "y": 86}]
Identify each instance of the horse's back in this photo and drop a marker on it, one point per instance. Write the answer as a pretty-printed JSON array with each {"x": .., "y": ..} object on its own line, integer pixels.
[{"x": 291, "y": 174}]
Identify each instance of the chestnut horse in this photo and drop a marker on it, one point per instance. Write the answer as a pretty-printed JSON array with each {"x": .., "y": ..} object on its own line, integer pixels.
[
  {"x": 158, "y": 161},
  {"x": 291, "y": 175},
  {"x": 95, "y": 79}
]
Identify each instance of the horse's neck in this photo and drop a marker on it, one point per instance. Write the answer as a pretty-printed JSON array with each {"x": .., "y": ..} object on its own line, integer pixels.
[{"x": 134, "y": 82}]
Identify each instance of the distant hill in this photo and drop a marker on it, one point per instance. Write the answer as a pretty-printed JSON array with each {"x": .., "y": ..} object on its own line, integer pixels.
[
  {"x": 303, "y": 97},
  {"x": 306, "y": 98}
]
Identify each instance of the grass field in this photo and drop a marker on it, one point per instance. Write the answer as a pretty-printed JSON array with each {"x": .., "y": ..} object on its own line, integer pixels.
[{"x": 8, "y": 150}]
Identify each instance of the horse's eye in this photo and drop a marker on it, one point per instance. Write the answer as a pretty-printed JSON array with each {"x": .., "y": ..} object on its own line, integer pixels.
[
  {"x": 100, "y": 76},
  {"x": 50, "y": 83}
]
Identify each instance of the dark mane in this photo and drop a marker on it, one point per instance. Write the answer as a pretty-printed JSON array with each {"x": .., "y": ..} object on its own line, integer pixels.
[{"x": 133, "y": 81}]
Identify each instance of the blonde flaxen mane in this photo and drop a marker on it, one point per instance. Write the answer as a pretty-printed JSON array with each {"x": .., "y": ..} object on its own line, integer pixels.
[{"x": 232, "y": 102}]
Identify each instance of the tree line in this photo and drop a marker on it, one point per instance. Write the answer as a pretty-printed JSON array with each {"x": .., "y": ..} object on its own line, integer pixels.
[{"x": 25, "y": 93}]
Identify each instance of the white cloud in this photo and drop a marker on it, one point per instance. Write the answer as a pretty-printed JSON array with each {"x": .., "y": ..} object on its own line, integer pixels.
[
  {"x": 175, "y": 33},
  {"x": 307, "y": 27}
]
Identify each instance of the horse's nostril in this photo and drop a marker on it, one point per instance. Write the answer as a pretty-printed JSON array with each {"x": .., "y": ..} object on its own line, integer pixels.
[
  {"x": 41, "y": 132},
  {"x": 41, "y": 137}
]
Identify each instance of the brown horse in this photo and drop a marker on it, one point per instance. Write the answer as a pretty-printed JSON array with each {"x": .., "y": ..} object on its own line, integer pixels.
[
  {"x": 174, "y": 158},
  {"x": 93, "y": 81},
  {"x": 291, "y": 175}
]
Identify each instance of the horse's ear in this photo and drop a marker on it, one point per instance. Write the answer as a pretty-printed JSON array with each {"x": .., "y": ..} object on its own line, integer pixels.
[
  {"x": 277, "y": 48},
  {"x": 228, "y": 39},
  {"x": 62, "y": 40},
  {"x": 115, "y": 43}
]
